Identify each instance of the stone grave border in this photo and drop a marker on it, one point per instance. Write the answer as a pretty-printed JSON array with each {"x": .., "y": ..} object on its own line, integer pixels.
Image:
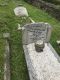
[
  {"x": 7, "y": 74},
  {"x": 55, "y": 53},
  {"x": 25, "y": 32}
]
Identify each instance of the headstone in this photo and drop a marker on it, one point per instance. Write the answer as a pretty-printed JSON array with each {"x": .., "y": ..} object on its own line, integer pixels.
[
  {"x": 36, "y": 31},
  {"x": 20, "y": 11}
]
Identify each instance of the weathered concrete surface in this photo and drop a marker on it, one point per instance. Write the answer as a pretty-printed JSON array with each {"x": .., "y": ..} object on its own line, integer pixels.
[
  {"x": 7, "y": 57},
  {"x": 43, "y": 65},
  {"x": 36, "y": 31},
  {"x": 7, "y": 62},
  {"x": 20, "y": 11}
]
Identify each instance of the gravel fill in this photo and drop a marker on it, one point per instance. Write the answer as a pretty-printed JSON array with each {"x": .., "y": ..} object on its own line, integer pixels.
[{"x": 45, "y": 65}]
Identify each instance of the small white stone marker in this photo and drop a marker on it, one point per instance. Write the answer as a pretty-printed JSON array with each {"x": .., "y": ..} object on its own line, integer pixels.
[
  {"x": 20, "y": 11},
  {"x": 6, "y": 57}
]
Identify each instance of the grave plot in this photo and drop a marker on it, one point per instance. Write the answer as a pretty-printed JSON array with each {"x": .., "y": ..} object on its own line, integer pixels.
[
  {"x": 43, "y": 64},
  {"x": 20, "y": 11},
  {"x": 7, "y": 57}
]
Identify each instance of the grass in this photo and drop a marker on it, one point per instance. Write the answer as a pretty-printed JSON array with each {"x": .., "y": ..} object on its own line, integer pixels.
[
  {"x": 56, "y": 2},
  {"x": 8, "y": 23}
]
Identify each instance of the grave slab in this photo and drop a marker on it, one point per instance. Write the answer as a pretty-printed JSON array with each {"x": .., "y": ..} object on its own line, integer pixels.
[
  {"x": 43, "y": 65},
  {"x": 20, "y": 11}
]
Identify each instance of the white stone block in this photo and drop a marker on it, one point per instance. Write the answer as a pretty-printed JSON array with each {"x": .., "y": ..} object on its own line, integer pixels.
[{"x": 20, "y": 11}]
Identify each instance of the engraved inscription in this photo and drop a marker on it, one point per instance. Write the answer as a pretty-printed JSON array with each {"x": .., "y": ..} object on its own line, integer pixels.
[{"x": 34, "y": 32}]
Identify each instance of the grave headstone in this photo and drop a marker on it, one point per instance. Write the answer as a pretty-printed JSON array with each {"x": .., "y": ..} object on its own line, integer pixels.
[
  {"x": 46, "y": 64},
  {"x": 36, "y": 31},
  {"x": 20, "y": 11}
]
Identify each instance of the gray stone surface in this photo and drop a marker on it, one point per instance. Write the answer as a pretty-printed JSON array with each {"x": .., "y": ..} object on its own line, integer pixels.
[
  {"x": 20, "y": 11},
  {"x": 6, "y": 57},
  {"x": 36, "y": 31},
  {"x": 42, "y": 66}
]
